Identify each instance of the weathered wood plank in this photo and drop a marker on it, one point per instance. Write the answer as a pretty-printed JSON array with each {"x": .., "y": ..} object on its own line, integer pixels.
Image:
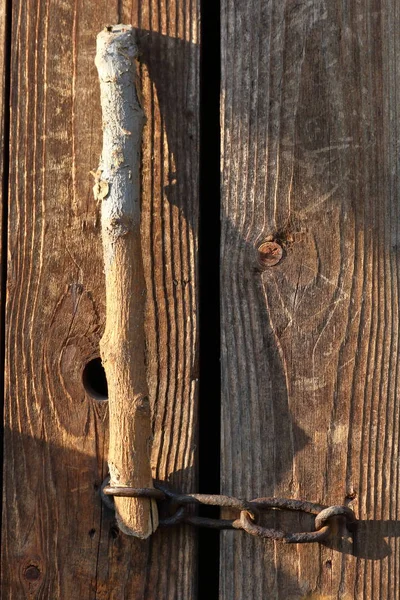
[
  {"x": 59, "y": 541},
  {"x": 310, "y": 346},
  {"x": 3, "y": 165}
]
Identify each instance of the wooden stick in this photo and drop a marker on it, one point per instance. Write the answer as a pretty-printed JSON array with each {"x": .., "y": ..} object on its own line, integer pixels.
[{"x": 122, "y": 347}]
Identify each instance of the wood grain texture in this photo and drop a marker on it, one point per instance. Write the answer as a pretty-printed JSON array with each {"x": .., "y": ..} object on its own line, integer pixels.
[
  {"x": 310, "y": 346},
  {"x": 3, "y": 163},
  {"x": 59, "y": 541}
]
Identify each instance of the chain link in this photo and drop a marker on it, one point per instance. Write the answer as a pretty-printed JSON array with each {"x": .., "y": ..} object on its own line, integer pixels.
[{"x": 249, "y": 511}]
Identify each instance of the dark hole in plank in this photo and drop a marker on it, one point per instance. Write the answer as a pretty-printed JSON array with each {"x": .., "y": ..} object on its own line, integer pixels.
[
  {"x": 95, "y": 380},
  {"x": 209, "y": 244}
]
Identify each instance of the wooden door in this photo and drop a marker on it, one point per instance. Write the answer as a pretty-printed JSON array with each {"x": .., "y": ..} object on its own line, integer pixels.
[
  {"x": 310, "y": 402},
  {"x": 59, "y": 541},
  {"x": 309, "y": 394}
]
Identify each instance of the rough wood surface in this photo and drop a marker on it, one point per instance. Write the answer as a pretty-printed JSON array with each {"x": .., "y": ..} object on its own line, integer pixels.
[
  {"x": 123, "y": 345},
  {"x": 310, "y": 346},
  {"x": 3, "y": 167},
  {"x": 59, "y": 541}
]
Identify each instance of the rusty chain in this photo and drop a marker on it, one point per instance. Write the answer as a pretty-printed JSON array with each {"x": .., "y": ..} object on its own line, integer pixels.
[{"x": 249, "y": 511}]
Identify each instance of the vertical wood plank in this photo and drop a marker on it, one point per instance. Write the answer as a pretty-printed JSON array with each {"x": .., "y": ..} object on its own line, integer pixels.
[
  {"x": 310, "y": 345},
  {"x": 59, "y": 541},
  {"x": 4, "y": 49}
]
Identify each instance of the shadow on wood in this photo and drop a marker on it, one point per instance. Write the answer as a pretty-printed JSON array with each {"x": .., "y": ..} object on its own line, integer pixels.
[
  {"x": 169, "y": 61},
  {"x": 64, "y": 500}
]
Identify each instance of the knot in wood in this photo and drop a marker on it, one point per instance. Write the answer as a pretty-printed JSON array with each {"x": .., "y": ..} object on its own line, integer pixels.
[
  {"x": 142, "y": 405},
  {"x": 32, "y": 573},
  {"x": 101, "y": 189},
  {"x": 269, "y": 254}
]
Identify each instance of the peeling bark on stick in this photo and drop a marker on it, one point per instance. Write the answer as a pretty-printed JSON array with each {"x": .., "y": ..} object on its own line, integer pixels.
[{"x": 123, "y": 344}]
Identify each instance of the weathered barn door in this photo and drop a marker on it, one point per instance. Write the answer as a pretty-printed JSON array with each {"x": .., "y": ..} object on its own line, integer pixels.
[
  {"x": 310, "y": 346},
  {"x": 309, "y": 275},
  {"x": 59, "y": 541}
]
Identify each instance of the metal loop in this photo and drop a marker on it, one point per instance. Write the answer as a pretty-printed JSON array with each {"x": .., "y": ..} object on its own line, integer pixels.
[
  {"x": 129, "y": 492},
  {"x": 249, "y": 511},
  {"x": 335, "y": 511},
  {"x": 287, "y": 504},
  {"x": 210, "y": 500},
  {"x": 108, "y": 492},
  {"x": 276, "y": 534},
  {"x": 244, "y": 522},
  {"x": 308, "y": 537},
  {"x": 175, "y": 519},
  {"x": 210, "y": 523}
]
